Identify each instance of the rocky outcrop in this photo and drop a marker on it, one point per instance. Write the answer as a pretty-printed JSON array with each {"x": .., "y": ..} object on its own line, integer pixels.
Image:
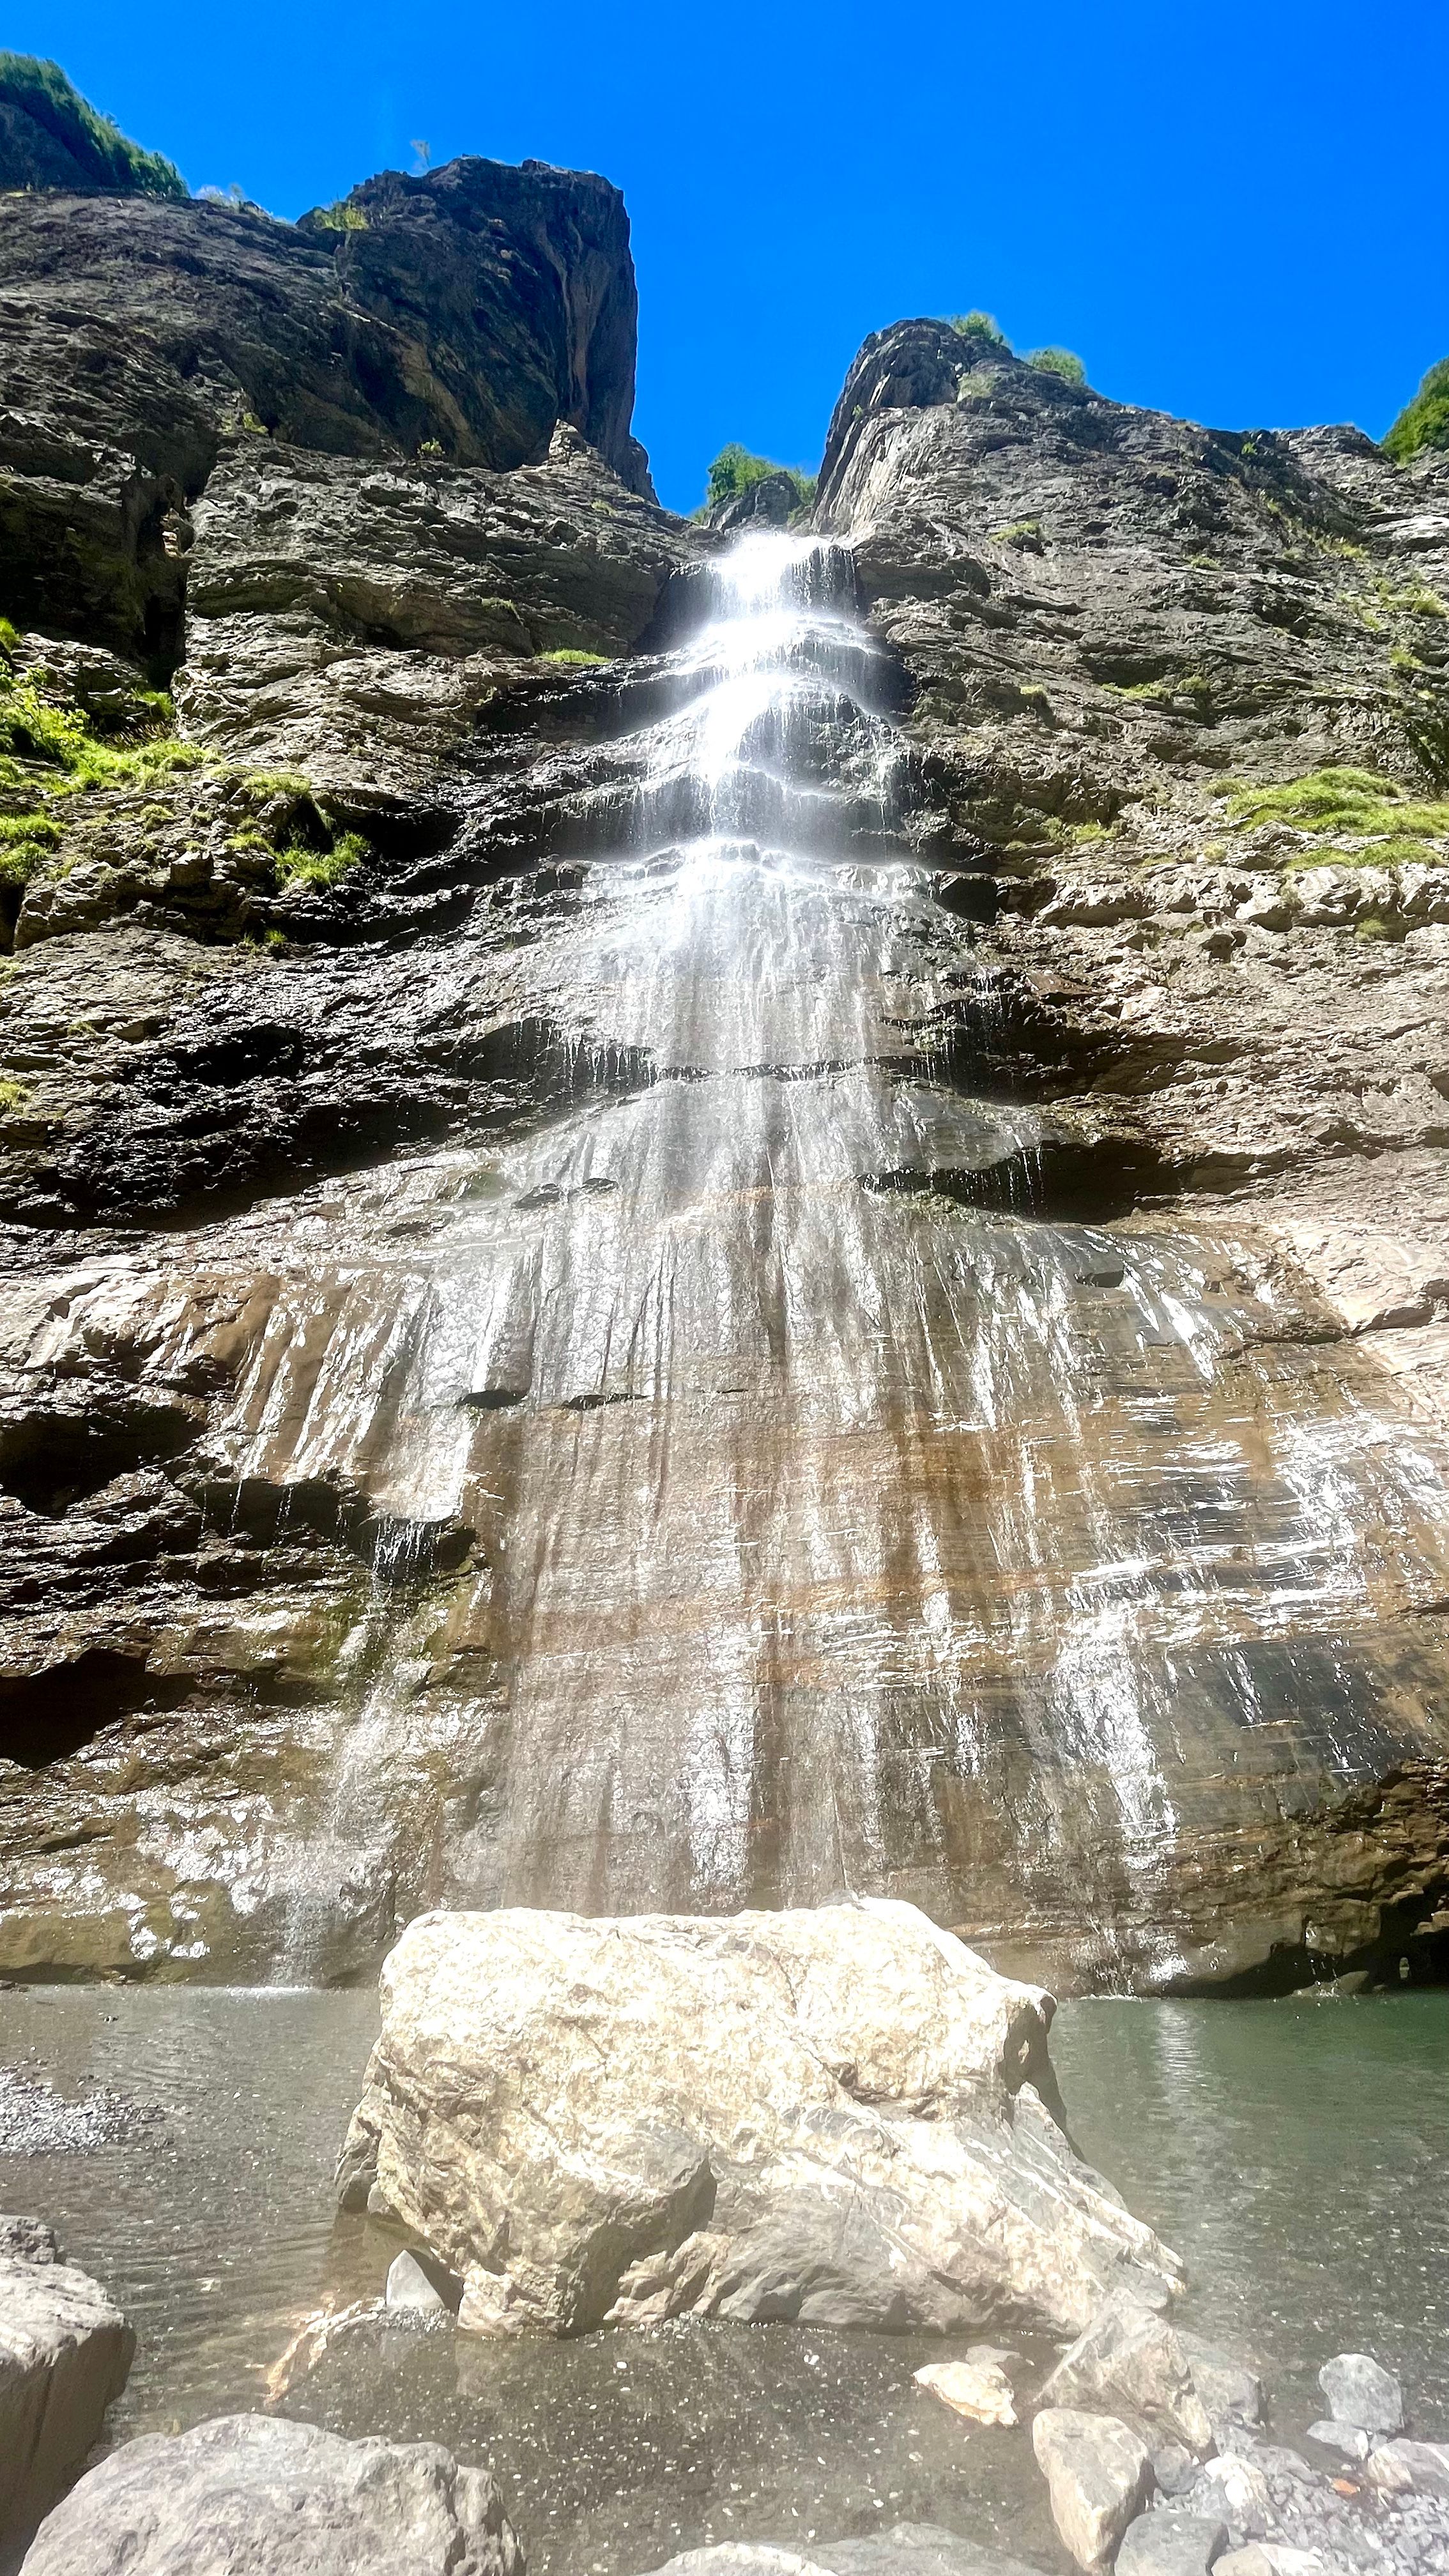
[
  {"x": 261, "y": 2493},
  {"x": 465, "y": 314},
  {"x": 826, "y": 2117},
  {"x": 65, "y": 2352}
]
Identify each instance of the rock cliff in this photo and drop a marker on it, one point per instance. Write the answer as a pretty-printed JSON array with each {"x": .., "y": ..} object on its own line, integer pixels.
[{"x": 540, "y": 1381}]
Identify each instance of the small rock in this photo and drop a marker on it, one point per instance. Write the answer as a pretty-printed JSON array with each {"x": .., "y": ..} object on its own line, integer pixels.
[
  {"x": 263, "y": 2492},
  {"x": 1236, "y": 2488},
  {"x": 1409, "y": 2468},
  {"x": 1360, "y": 2391},
  {"x": 410, "y": 2286},
  {"x": 1132, "y": 2362},
  {"x": 1231, "y": 2393},
  {"x": 1251, "y": 2561},
  {"x": 1174, "y": 2468},
  {"x": 1171, "y": 2544},
  {"x": 1349, "y": 2441},
  {"x": 1099, "y": 2478},
  {"x": 421, "y": 2283},
  {"x": 29, "y": 2240},
  {"x": 978, "y": 2389}
]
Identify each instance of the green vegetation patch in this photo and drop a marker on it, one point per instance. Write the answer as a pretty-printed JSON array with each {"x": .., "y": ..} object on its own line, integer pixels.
[
  {"x": 735, "y": 471},
  {"x": 1358, "y": 801},
  {"x": 342, "y": 217},
  {"x": 568, "y": 657},
  {"x": 980, "y": 326},
  {"x": 26, "y": 842},
  {"x": 1425, "y": 421},
  {"x": 108, "y": 160},
  {"x": 1058, "y": 362},
  {"x": 297, "y": 865}
]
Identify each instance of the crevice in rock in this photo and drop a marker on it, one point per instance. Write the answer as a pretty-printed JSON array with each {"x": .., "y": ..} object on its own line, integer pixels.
[
  {"x": 1090, "y": 1181},
  {"x": 47, "y": 1716}
]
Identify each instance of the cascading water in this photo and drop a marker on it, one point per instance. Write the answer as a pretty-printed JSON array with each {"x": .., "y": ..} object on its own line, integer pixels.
[{"x": 829, "y": 1531}]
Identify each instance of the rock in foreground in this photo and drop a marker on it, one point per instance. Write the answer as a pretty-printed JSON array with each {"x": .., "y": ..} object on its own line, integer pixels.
[
  {"x": 907, "y": 2549},
  {"x": 65, "y": 2352},
  {"x": 257, "y": 2493},
  {"x": 833, "y": 2116}
]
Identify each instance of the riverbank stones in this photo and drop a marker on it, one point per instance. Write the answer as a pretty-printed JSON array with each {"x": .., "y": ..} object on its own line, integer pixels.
[{"x": 1099, "y": 2478}]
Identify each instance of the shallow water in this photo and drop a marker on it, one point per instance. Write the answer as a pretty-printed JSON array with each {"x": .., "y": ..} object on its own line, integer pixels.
[{"x": 1293, "y": 2151}]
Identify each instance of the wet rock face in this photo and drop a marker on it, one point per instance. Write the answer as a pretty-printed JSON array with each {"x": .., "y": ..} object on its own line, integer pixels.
[
  {"x": 754, "y": 1268},
  {"x": 824, "y": 2117}
]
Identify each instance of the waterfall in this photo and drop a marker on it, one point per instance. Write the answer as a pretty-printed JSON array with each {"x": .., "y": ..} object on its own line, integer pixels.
[{"x": 831, "y": 1531}]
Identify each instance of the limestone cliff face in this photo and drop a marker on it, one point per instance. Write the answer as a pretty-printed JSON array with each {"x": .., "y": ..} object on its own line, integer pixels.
[
  {"x": 142, "y": 340},
  {"x": 537, "y": 1374}
]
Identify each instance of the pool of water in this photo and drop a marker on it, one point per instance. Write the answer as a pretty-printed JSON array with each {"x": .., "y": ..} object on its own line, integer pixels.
[{"x": 1295, "y": 2153}]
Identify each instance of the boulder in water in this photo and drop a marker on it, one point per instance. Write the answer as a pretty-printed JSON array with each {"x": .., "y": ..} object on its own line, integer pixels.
[
  {"x": 1360, "y": 2391},
  {"x": 262, "y": 2493},
  {"x": 65, "y": 2352},
  {"x": 834, "y": 2116}
]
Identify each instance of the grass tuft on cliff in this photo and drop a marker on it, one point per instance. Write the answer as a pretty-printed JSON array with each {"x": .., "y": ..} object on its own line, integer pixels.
[
  {"x": 735, "y": 471},
  {"x": 1058, "y": 362},
  {"x": 1356, "y": 801},
  {"x": 59, "y": 737},
  {"x": 1425, "y": 421},
  {"x": 107, "y": 159},
  {"x": 297, "y": 865}
]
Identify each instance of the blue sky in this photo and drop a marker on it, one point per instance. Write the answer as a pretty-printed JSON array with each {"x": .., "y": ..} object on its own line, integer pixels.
[{"x": 1238, "y": 215}]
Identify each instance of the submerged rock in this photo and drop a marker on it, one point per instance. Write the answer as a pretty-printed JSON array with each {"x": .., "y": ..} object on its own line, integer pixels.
[
  {"x": 980, "y": 2390},
  {"x": 65, "y": 2352},
  {"x": 906, "y": 2549},
  {"x": 1099, "y": 2477},
  {"x": 831, "y": 2116},
  {"x": 274, "y": 2498}
]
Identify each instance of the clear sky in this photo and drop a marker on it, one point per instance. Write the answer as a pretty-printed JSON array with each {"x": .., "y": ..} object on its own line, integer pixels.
[{"x": 1238, "y": 214}]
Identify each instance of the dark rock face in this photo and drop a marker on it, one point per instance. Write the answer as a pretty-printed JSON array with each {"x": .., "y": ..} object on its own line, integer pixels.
[{"x": 468, "y": 312}]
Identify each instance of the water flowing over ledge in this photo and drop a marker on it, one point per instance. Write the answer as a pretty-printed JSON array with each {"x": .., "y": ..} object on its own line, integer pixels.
[{"x": 764, "y": 1497}]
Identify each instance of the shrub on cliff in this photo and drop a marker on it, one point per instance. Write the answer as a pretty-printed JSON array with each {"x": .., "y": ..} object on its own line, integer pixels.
[
  {"x": 1058, "y": 362},
  {"x": 50, "y": 137},
  {"x": 980, "y": 326},
  {"x": 1425, "y": 421},
  {"x": 735, "y": 471}
]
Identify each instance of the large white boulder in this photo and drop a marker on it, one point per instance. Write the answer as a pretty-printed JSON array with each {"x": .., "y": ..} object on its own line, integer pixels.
[
  {"x": 822, "y": 2115},
  {"x": 257, "y": 2495},
  {"x": 64, "y": 2354}
]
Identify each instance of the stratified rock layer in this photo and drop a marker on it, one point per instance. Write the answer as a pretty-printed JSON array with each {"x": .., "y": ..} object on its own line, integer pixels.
[{"x": 824, "y": 2117}]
